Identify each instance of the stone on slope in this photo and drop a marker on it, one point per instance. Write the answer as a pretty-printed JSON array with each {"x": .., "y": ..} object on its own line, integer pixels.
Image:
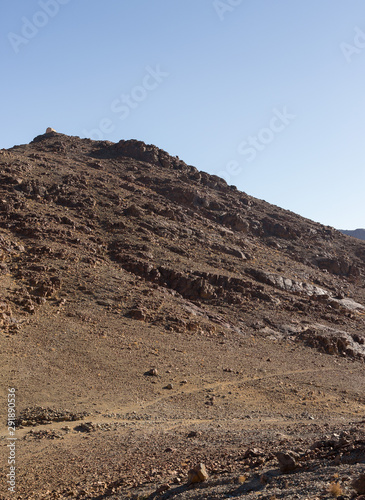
[
  {"x": 359, "y": 484},
  {"x": 198, "y": 474},
  {"x": 287, "y": 461}
]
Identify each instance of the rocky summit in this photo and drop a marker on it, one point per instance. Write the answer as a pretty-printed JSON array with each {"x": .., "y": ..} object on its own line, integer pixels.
[{"x": 169, "y": 336}]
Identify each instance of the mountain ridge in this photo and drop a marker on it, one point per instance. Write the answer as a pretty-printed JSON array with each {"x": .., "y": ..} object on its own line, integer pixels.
[
  {"x": 159, "y": 303},
  {"x": 355, "y": 233}
]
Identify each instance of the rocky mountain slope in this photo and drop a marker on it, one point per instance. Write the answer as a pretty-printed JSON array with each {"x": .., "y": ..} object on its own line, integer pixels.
[
  {"x": 356, "y": 233},
  {"x": 154, "y": 317}
]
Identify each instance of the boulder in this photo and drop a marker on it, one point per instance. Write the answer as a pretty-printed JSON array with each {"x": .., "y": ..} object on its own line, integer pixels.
[
  {"x": 359, "y": 484},
  {"x": 198, "y": 474},
  {"x": 235, "y": 222},
  {"x": 287, "y": 461}
]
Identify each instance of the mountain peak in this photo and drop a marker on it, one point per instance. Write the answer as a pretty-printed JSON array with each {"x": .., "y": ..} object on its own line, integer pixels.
[{"x": 136, "y": 288}]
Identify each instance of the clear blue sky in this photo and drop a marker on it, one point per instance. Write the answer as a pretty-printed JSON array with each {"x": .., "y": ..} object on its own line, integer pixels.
[{"x": 268, "y": 94}]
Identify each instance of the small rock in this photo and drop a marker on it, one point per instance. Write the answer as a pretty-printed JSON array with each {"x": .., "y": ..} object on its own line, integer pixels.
[
  {"x": 198, "y": 474},
  {"x": 162, "y": 488},
  {"x": 337, "y": 459},
  {"x": 252, "y": 452},
  {"x": 134, "y": 211},
  {"x": 169, "y": 387},
  {"x": 153, "y": 372},
  {"x": 287, "y": 461},
  {"x": 139, "y": 314},
  {"x": 359, "y": 484},
  {"x": 264, "y": 479}
]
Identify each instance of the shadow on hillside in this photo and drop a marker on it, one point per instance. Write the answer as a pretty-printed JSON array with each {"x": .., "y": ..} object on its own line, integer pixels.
[{"x": 225, "y": 489}]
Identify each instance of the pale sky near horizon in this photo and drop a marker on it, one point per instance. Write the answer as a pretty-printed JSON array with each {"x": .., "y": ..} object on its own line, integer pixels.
[{"x": 267, "y": 94}]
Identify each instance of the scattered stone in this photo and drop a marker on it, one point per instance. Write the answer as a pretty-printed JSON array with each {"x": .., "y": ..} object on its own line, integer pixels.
[
  {"x": 253, "y": 452},
  {"x": 194, "y": 434},
  {"x": 86, "y": 427},
  {"x": 359, "y": 484},
  {"x": 39, "y": 415},
  {"x": 198, "y": 474},
  {"x": 153, "y": 372},
  {"x": 264, "y": 479},
  {"x": 134, "y": 211},
  {"x": 162, "y": 488},
  {"x": 287, "y": 462},
  {"x": 139, "y": 314},
  {"x": 44, "y": 434}
]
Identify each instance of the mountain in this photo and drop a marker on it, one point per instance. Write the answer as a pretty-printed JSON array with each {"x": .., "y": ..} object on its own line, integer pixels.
[
  {"x": 357, "y": 233},
  {"x": 154, "y": 318}
]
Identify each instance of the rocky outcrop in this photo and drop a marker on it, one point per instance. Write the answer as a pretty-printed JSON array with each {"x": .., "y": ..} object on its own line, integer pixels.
[
  {"x": 333, "y": 341},
  {"x": 299, "y": 287},
  {"x": 140, "y": 151},
  {"x": 339, "y": 266},
  {"x": 286, "y": 284},
  {"x": 5, "y": 314},
  {"x": 285, "y": 231},
  {"x": 39, "y": 415},
  {"x": 235, "y": 221}
]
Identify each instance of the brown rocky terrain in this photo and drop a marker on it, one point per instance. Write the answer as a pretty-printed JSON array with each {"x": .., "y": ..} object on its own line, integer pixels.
[{"x": 154, "y": 318}]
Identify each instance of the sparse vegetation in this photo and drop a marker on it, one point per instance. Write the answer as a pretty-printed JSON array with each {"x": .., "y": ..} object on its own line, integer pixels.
[{"x": 335, "y": 489}]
